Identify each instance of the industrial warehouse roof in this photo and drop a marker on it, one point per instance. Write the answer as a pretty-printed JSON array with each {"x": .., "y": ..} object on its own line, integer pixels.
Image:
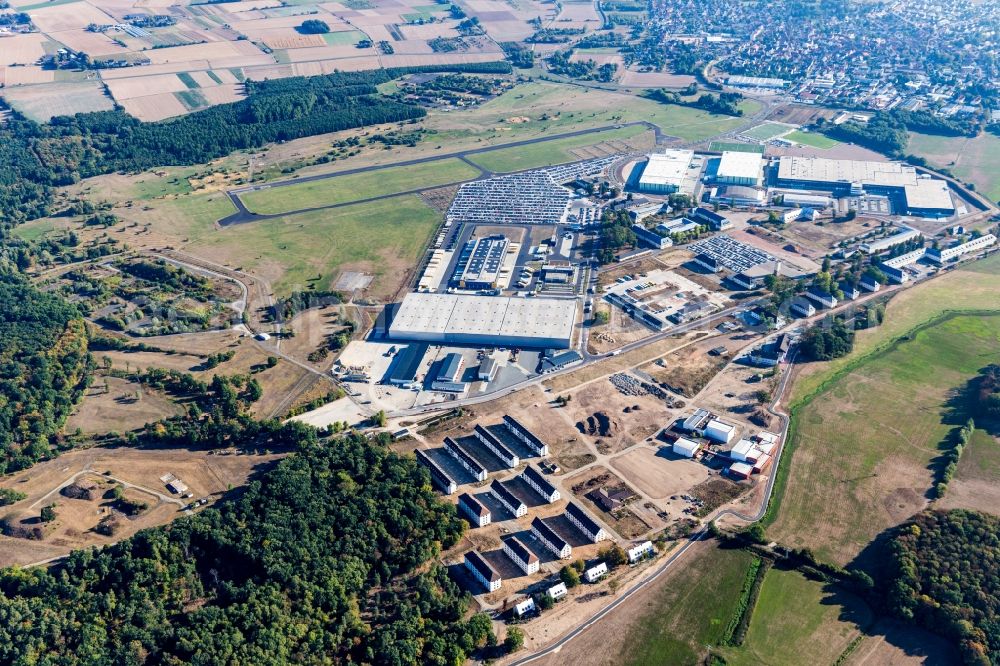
[
  {"x": 928, "y": 193},
  {"x": 737, "y": 164},
  {"x": 819, "y": 169},
  {"x": 667, "y": 168},
  {"x": 460, "y": 317}
]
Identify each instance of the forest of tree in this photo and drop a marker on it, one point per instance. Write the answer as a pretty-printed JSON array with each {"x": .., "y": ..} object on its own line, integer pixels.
[
  {"x": 43, "y": 370},
  {"x": 319, "y": 561},
  {"x": 945, "y": 579},
  {"x": 34, "y": 158}
]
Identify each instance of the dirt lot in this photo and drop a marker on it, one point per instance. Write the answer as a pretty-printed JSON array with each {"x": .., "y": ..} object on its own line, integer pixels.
[
  {"x": 815, "y": 238},
  {"x": 688, "y": 370},
  {"x": 206, "y": 475},
  {"x": 658, "y": 472},
  {"x": 116, "y": 409}
]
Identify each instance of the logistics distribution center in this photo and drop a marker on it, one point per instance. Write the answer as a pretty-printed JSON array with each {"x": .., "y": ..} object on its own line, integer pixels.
[
  {"x": 927, "y": 197},
  {"x": 485, "y": 320},
  {"x": 665, "y": 173}
]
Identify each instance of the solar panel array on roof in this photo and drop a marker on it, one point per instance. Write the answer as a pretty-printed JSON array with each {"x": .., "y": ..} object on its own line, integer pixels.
[{"x": 480, "y": 262}]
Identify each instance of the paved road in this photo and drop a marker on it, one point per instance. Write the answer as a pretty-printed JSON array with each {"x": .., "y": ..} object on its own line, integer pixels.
[
  {"x": 697, "y": 536},
  {"x": 555, "y": 647},
  {"x": 244, "y": 215}
]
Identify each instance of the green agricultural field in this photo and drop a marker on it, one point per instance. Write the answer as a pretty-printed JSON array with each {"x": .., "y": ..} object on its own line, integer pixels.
[
  {"x": 690, "y": 613},
  {"x": 344, "y": 38},
  {"x": 547, "y": 153},
  {"x": 974, "y": 160},
  {"x": 357, "y": 187},
  {"x": 811, "y": 139},
  {"x": 864, "y": 442},
  {"x": 383, "y": 237},
  {"x": 766, "y": 131},
  {"x": 797, "y": 621}
]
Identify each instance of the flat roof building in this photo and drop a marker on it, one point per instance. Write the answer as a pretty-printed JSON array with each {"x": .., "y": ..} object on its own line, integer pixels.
[
  {"x": 740, "y": 168},
  {"x": 823, "y": 174},
  {"x": 929, "y": 197},
  {"x": 665, "y": 172},
  {"x": 481, "y": 262},
  {"x": 485, "y": 320},
  {"x": 685, "y": 447},
  {"x": 718, "y": 431}
]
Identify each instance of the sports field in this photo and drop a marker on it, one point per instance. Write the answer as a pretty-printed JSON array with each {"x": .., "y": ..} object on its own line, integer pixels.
[
  {"x": 811, "y": 139},
  {"x": 865, "y": 441},
  {"x": 547, "y": 153},
  {"x": 384, "y": 238},
  {"x": 357, "y": 187},
  {"x": 799, "y": 621},
  {"x": 732, "y": 146},
  {"x": 766, "y": 131},
  {"x": 975, "y": 160}
]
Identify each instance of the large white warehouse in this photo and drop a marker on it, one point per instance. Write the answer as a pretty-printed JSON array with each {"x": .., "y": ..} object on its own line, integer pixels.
[
  {"x": 665, "y": 172},
  {"x": 485, "y": 320}
]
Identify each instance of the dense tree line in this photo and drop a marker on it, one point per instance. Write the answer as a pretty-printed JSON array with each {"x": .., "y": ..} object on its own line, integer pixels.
[
  {"x": 320, "y": 561},
  {"x": 944, "y": 577},
  {"x": 827, "y": 341},
  {"x": 43, "y": 371},
  {"x": 34, "y": 158},
  {"x": 887, "y": 132},
  {"x": 986, "y": 392}
]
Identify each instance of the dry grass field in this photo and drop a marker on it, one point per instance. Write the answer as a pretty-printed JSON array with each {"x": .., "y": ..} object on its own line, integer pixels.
[
  {"x": 206, "y": 474},
  {"x": 116, "y": 408},
  {"x": 865, "y": 443},
  {"x": 42, "y": 102}
]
